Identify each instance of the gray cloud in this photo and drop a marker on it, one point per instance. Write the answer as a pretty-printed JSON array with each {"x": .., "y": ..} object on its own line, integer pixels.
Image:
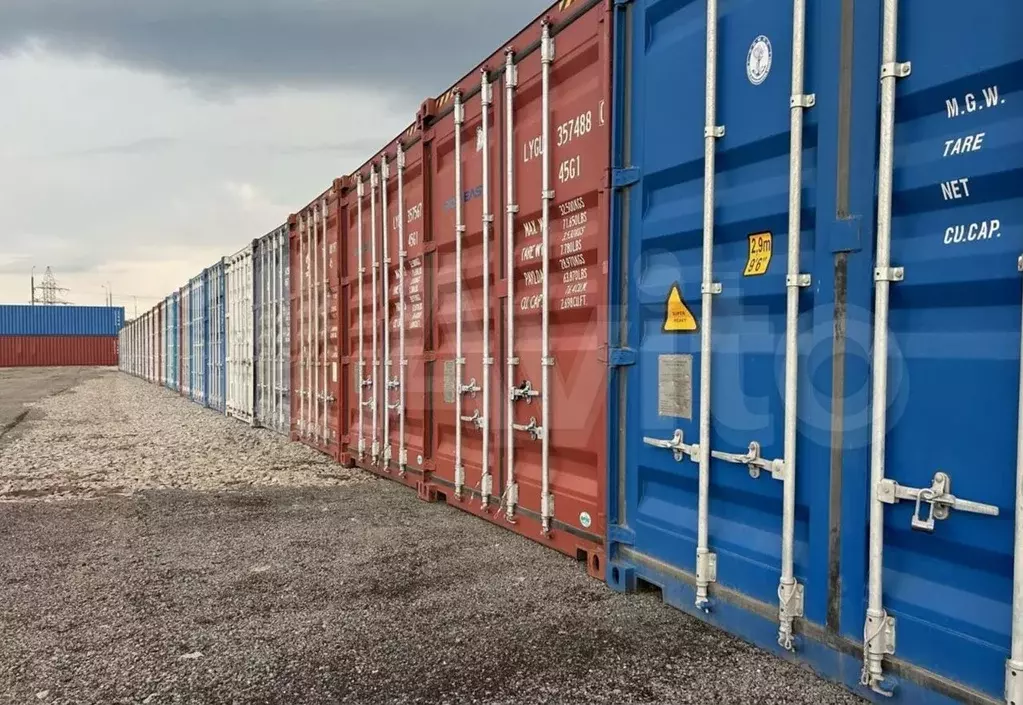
[
  {"x": 243, "y": 44},
  {"x": 154, "y": 136},
  {"x": 140, "y": 146}
]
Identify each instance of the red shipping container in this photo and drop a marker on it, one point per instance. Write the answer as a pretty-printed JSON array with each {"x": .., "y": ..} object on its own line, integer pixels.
[
  {"x": 58, "y": 351},
  {"x": 386, "y": 427},
  {"x": 315, "y": 323},
  {"x": 477, "y": 427}
]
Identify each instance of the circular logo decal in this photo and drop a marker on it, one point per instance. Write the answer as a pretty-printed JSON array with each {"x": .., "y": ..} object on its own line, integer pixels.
[
  {"x": 584, "y": 520},
  {"x": 758, "y": 60}
]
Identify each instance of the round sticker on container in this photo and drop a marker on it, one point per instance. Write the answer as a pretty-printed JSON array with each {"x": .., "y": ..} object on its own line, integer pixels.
[
  {"x": 585, "y": 520},
  {"x": 758, "y": 60}
]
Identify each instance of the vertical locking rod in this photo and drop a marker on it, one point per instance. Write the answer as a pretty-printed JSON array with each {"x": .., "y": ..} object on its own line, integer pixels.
[
  {"x": 459, "y": 117},
  {"x": 361, "y": 272},
  {"x": 878, "y": 627},
  {"x": 705, "y": 560},
  {"x": 386, "y": 302},
  {"x": 1014, "y": 664},
  {"x": 511, "y": 208}
]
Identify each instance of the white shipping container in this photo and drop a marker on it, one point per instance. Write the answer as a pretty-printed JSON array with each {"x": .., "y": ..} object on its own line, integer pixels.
[
  {"x": 185, "y": 341},
  {"x": 150, "y": 346},
  {"x": 240, "y": 377},
  {"x": 271, "y": 267}
]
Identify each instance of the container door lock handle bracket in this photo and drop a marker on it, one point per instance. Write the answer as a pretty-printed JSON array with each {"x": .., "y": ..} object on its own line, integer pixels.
[
  {"x": 938, "y": 498},
  {"x": 678, "y": 447}
]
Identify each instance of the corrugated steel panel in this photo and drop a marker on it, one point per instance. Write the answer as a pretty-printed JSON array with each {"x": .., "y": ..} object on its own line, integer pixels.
[
  {"x": 240, "y": 377},
  {"x": 60, "y": 320},
  {"x": 216, "y": 359},
  {"x": 123, "y": 362},
  {"x": 185, "y": 345},
  {"x": 172, "y": 341},
  {"x": 315, "y": 357},
  {"x": 198, "y": 331},
  {"x": 271, "y": 270},
  {"x": 160, "y": 341},
  {"x": 836, "y": 544},
  {"x": 59, "y": 351},
  {"x": 541, "y": 463}
]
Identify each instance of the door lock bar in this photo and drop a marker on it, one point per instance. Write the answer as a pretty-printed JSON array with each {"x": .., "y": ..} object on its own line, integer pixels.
[{"x": 938, "y": 498}]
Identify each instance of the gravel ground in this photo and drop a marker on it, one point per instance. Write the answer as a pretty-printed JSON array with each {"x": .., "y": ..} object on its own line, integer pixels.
[
  {"x": 20, "y": 387},
  {"x": 114, "y": 434},
  {"x": 267, "y": 575}
]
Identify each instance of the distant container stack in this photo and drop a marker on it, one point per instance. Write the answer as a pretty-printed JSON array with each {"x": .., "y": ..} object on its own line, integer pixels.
[{"x": 54, "y": 336}]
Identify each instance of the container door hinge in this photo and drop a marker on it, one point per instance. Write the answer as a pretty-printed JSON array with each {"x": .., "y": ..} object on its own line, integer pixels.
[
  {"x": 938, "y": 498},
  {"x": 617, "y": 533},
  {"x": 878, "y": 639},
  {"x": 626, "y": 176},
  {"x": 621, "y": 357},
  {"x": 707, "y": 567},
  {"x": 1014, "y": 682}
]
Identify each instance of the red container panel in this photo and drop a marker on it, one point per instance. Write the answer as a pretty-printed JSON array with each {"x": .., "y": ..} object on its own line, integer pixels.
[
  {"x": 315, "y": 324},
  {"x": 445, "y": 456},
  {"x": 58, "y": 351}
]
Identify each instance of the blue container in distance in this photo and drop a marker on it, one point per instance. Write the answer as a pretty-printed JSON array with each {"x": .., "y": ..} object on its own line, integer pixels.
[
  {"x": 199, "y": 336},
  {"x": 172, "y": 341},
  {"x": 272, "y": 310},
  {"x": 41, "y": 320},
  {"x": 746, "y": 495},
  {"x": 216, "y": 355}
]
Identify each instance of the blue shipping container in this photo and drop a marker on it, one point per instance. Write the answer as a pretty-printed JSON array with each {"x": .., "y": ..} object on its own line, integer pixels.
[
  {"x": 172, "y": 340},
  {"x": 748, "y": 497},
  {"x": 272, "y": 304},
  {"x": 60, "y": 320},
  {"x": 216, "y": 356}
]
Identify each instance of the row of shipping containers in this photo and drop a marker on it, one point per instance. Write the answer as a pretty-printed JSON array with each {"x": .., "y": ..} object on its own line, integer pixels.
[
  {"x": 223, "y": 338},
  {"x": 515, "y": 307},
  {"x": 59, "y": 335}
]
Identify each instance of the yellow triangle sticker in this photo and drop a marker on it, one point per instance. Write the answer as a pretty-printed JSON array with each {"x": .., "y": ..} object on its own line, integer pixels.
[{"x": 677, "y": 316}]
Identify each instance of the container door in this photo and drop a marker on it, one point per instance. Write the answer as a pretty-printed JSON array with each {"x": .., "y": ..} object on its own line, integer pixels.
[
  {"x": 555, "y": 331},
  {"x": 953, "y": 343},
  {"x": 260, "y": 271},
  {"x": 465, "y": 385},
  {"x": 186, "y": 342},
  {"x": 240, "y": 337},
  {"x": 405, "y": 313},
  {"x": 692, "y": 310},
  {"x": 282, "y": 330}
]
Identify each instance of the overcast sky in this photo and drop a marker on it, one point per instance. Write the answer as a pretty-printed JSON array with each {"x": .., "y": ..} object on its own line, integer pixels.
[{"x": 141, "y": 140}]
